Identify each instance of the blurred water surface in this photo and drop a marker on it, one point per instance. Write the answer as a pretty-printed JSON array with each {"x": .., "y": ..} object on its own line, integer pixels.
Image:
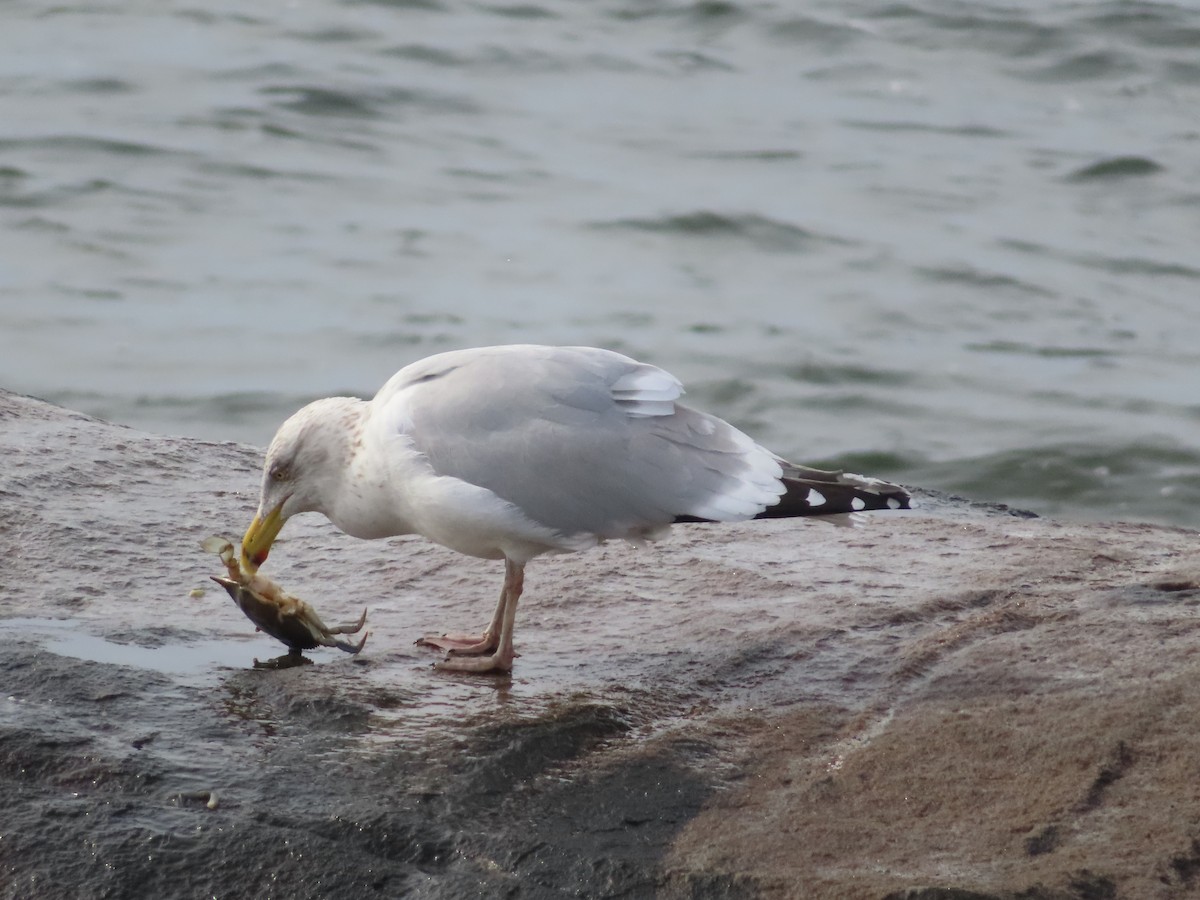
[{"x": 951, "y": 243}]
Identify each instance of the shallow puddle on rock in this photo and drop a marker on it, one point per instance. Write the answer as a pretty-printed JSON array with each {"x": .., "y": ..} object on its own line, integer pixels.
[{"x": 204, "y": 659}]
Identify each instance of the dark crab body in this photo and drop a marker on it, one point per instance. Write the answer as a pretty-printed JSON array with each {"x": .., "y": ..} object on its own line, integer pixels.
[
  {"x": 300, "y": 630},
  {"x": 276, "y": 612}
]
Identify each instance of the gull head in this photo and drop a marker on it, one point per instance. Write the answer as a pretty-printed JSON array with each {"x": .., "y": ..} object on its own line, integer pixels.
[{"x": 303, "y": 469}]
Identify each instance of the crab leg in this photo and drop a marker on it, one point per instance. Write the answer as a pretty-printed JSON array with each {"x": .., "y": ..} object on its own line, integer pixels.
[
  {"x": 350, "y": 629},
  {"x": 348, "y": 646}
]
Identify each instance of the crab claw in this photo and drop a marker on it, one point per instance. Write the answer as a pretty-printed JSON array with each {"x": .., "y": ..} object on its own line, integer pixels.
[
  {"x": 351, "y": 629},
  {"x": 347, "y": 646}
]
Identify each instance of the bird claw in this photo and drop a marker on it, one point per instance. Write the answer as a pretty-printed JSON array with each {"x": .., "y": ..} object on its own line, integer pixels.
[
  {"x": 276, "y": 612},
  {"x": 460, "y": 644}
]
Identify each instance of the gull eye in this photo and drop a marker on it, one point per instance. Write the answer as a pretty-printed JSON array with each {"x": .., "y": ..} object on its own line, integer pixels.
[{"x": 280, "y": 473}]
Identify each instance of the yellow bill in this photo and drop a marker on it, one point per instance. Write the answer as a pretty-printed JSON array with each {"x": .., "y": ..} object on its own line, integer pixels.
[{"x": 261, "y": 534}]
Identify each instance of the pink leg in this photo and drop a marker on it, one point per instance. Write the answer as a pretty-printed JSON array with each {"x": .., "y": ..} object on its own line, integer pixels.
[
  {"x": 501, "y": 659},
  {"x": 471, "y": 644}
]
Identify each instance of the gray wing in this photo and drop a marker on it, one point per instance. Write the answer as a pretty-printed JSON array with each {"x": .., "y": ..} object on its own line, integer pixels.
[{"x": 580, "y": 439}]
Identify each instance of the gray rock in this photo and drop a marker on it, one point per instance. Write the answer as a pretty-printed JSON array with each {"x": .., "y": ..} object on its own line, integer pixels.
[{"x": 961, "y": 702}]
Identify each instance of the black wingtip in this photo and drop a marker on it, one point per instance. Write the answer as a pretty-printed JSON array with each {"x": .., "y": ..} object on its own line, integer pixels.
[
  {"x": 849, "y": 494},
  {"x": 816, "y": 492}
]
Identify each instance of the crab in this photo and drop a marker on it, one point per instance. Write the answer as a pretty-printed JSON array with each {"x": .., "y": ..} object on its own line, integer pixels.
[{"x": 276, "y": 612}]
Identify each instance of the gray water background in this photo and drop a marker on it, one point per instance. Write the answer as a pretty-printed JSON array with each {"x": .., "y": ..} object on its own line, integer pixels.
[{"x": 953, "y": 244}]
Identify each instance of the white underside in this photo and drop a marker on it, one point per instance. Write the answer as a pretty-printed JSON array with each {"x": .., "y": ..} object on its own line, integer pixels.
[{"x": 474, "y": 521}]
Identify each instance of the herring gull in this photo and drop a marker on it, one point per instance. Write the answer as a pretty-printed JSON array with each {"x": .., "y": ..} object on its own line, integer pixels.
[{"x": 514, "y": 451}]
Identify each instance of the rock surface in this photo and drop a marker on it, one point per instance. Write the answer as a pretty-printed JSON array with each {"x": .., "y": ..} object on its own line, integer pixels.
[{"x": 954, "y": 703}]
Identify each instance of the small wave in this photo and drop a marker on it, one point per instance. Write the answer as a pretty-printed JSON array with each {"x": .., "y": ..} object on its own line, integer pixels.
[
  {"x": 1154, "y": 25},
  {"x": 1009, "y": 31},
  {"x": 531, "y": 60},
  {"x": 1046, "y": 352},
  {"x": 846, "y": 403},
  {"x": 1133, "y": 265},
  {"x": 56, "y": 195},
  {"x": 521, "y": 11},
  {"x": 693, "y": 61},
  {"x": 943, "y": 199},
  {"x": 973, "y": 277},
  {"x": 1179, "y": 72},
  {"x": 517, "y": 59},
  {"x": 830, "y": 373},
  {"x": 751, "y": 155},
  {"x": 403, "y": 338},
  {"x": 1117, "y": 265},
  {"x": 217, "y": 19},
  {"x": 317, "y": 101},
  {"x": 237, "y": 403},
  {"x": 311, "y": 100},
  {"x": 424, "y": 53},
  {"x": 261, "y": 72},
  {"x": 969, "y": 130},
  {"x": 259, "y": 173},
  {"x": 818, "y": 33},
  {"x": 335, "y": 34},
  {"x": 100, "y": 86},
  {"x": 431, "y": 5},
  {"x": 724, "y": 392},
  {"x": 1116, "y": 167},
  {"x": 758, "y": 230},
  {"x": 1091, "y": 66},
  {"x": 702, "y": 12},
  {"x": 856, "y": 72},
  {"x": 39, "y": 223},
  {"x": 1144, "y": 480},
  {"x": 87, "y": 144},
  {"x": 879, "y": 463}
]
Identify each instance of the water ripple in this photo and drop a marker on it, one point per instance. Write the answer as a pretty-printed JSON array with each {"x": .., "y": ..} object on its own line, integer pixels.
[
  {"x": 884, "y": 226},
  {"x": 366, "y": 102},
  {"x": 1116, "y": 167},
  {"x": 762, "y": 231}
]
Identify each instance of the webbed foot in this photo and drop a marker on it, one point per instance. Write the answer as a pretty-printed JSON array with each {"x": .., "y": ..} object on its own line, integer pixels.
[
  {"x": 499, "y": 663},
  {"x": 461, "y": 644}
]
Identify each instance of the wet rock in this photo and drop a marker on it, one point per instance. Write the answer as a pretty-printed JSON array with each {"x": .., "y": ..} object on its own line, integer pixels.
[{"x": 958, "y": 703}]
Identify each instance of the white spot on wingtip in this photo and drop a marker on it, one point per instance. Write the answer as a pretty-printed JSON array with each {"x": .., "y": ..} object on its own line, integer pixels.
[
  {"x": 857, "y": 503},
  {"x": 815, "y": 497},
  {"x": 893, "y": 503}
]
